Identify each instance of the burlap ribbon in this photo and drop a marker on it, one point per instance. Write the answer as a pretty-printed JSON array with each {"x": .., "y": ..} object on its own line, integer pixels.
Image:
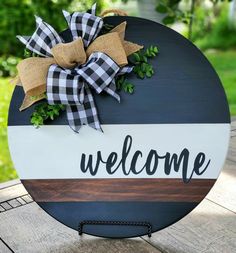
[
  {"x": 69, "y": 70},
  {"x": 33, "y": 71}
]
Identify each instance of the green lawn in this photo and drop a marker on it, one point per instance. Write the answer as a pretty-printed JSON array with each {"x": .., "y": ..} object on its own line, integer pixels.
[
  {"x": 7, "y": 171},
  {"x": 224, "y": 63}
]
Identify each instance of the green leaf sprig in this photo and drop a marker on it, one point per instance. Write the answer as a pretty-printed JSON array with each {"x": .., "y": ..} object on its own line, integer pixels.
[
  {"x": 140, "y": 59},
  {"x": 28, "y": 54},
  {"x": 44, "y": 112},
  {"x": 123, "y": 84},
  {"x": 142, "y": 68}
]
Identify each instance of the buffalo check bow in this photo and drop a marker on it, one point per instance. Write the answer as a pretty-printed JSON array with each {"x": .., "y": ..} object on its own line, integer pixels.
[{"x": 72, "y": 87}]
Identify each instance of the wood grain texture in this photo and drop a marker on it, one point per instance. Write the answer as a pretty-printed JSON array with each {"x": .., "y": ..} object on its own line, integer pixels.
[
  {"x": 232, "y": 150},
  {"x": 12, "y": 192},
  {"x": 224, "y": 190},
  {"x": 9, "y": 183},
  {"x": 233, "y": 124},
  {"x": 29, "y": 229},
  {"x": 4, "y": 248},
  {"x": 210, "y": 228},
  {"x": 55, "y": 190}
]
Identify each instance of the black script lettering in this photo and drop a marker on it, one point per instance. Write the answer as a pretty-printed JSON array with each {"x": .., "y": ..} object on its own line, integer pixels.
[
  {"x": 173, "y": 161},
  {"x": 93, "y": 171},
  {"x": 134, "y": 161},
  {"x": 152, "y": 158},
  {"x": 176, "y": 161},
  {"x": 199, "y": 161},
  {"x": 125, "y": 152},
  {"x": 111, "y": 160}
]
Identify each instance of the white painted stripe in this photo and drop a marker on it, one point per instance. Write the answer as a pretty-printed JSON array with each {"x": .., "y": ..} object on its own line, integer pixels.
[{"x": 55, "y": 151}]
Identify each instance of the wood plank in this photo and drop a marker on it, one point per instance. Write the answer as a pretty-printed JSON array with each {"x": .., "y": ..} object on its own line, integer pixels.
[
  {"x": 232, "y": 149},
  {"x": 4, "y": 248},
  {"x": 30, "y": 229},
  {"x": 232, "y": 154},
  {"x": 232, "y": 143},
  {"x": 14, "y": 203},
  {"x": 12, "y": 192},
  {"x": 54, "y": 190},
  {"x": 20, "y": 200},
  {"x": 9, "y": 183},
  {"x": 6, "y": 206},
  {"x": 209, "y": 228},
  {"x": 233, "y": 123},
  {"x": 233, "y": 134},
  {"x": 224, "y": 190}
]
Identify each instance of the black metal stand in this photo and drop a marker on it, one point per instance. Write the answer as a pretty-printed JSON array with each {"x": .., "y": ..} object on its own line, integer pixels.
[{"x": 119, "y": 223}]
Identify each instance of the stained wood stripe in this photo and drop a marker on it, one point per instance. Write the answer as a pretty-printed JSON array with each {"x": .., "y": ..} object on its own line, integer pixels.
[{"x": 65, "y": 190}]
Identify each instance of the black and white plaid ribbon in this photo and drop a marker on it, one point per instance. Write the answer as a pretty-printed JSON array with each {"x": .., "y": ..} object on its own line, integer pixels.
[{"x": 72, "y": 87}]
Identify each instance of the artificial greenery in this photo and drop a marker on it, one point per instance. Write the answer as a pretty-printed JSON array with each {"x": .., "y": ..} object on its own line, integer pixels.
[
  {"x": 44, "y": 112},
  {"x": 142, "y": 68},
  {"x": 123, "y": 84},
  {"x": 28, "y": 53}
]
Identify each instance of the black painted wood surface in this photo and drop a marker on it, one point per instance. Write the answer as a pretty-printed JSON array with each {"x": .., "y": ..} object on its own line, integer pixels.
[{"x": 185, "y": 89}]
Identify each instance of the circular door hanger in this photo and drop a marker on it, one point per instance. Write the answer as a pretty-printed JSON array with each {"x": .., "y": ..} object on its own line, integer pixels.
[{"x": 161, "y": 151}]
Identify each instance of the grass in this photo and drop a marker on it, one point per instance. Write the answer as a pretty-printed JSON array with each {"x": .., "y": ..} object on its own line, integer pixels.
[
  {"x": 224, "y": 63},
  {"x": 7, "y": 171}
]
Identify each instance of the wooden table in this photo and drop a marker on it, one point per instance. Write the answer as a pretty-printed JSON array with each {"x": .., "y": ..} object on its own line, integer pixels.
[{"x": 211, "y": 227}]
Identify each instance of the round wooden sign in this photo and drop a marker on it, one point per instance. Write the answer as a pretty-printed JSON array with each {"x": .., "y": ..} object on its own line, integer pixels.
[{"x": 161, "y": 151}]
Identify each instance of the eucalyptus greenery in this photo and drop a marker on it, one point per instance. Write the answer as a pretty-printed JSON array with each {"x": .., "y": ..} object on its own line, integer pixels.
[
  {"x": 142, "y": 68},
  {"x": 123, "y": 84},
  {"x": 28, "y": 53},
  {"x": 44, "y": 112}
]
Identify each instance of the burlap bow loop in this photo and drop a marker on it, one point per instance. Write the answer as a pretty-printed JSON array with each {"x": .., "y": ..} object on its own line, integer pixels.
[
  {"x": 111, "y": 45},
  {"x": 69, "y": 70},
  {"x": 69, "y": 55}
]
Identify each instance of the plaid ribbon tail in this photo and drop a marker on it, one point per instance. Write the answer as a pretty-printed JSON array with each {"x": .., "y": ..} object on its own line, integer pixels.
[{"x": 84, "y": 114}]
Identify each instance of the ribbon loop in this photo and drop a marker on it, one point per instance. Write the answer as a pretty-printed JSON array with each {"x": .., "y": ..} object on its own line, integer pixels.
[
  {"x": 99, "y": 71},
  {"x": 63, "y": 86},
  {"x": 70, "y": 54},
  {"x": 33, "y": 74},
  {"x": 111, "y": 45},
  {"x": 66, "y": 75},
  {"x": 71, "y": 88},
  {"x": 84, "y": 25},
  {"x": 43, "y": 39}
]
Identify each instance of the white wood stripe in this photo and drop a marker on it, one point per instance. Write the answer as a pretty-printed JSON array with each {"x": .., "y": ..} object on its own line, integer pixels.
[{"x": 55, "y": 151}]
